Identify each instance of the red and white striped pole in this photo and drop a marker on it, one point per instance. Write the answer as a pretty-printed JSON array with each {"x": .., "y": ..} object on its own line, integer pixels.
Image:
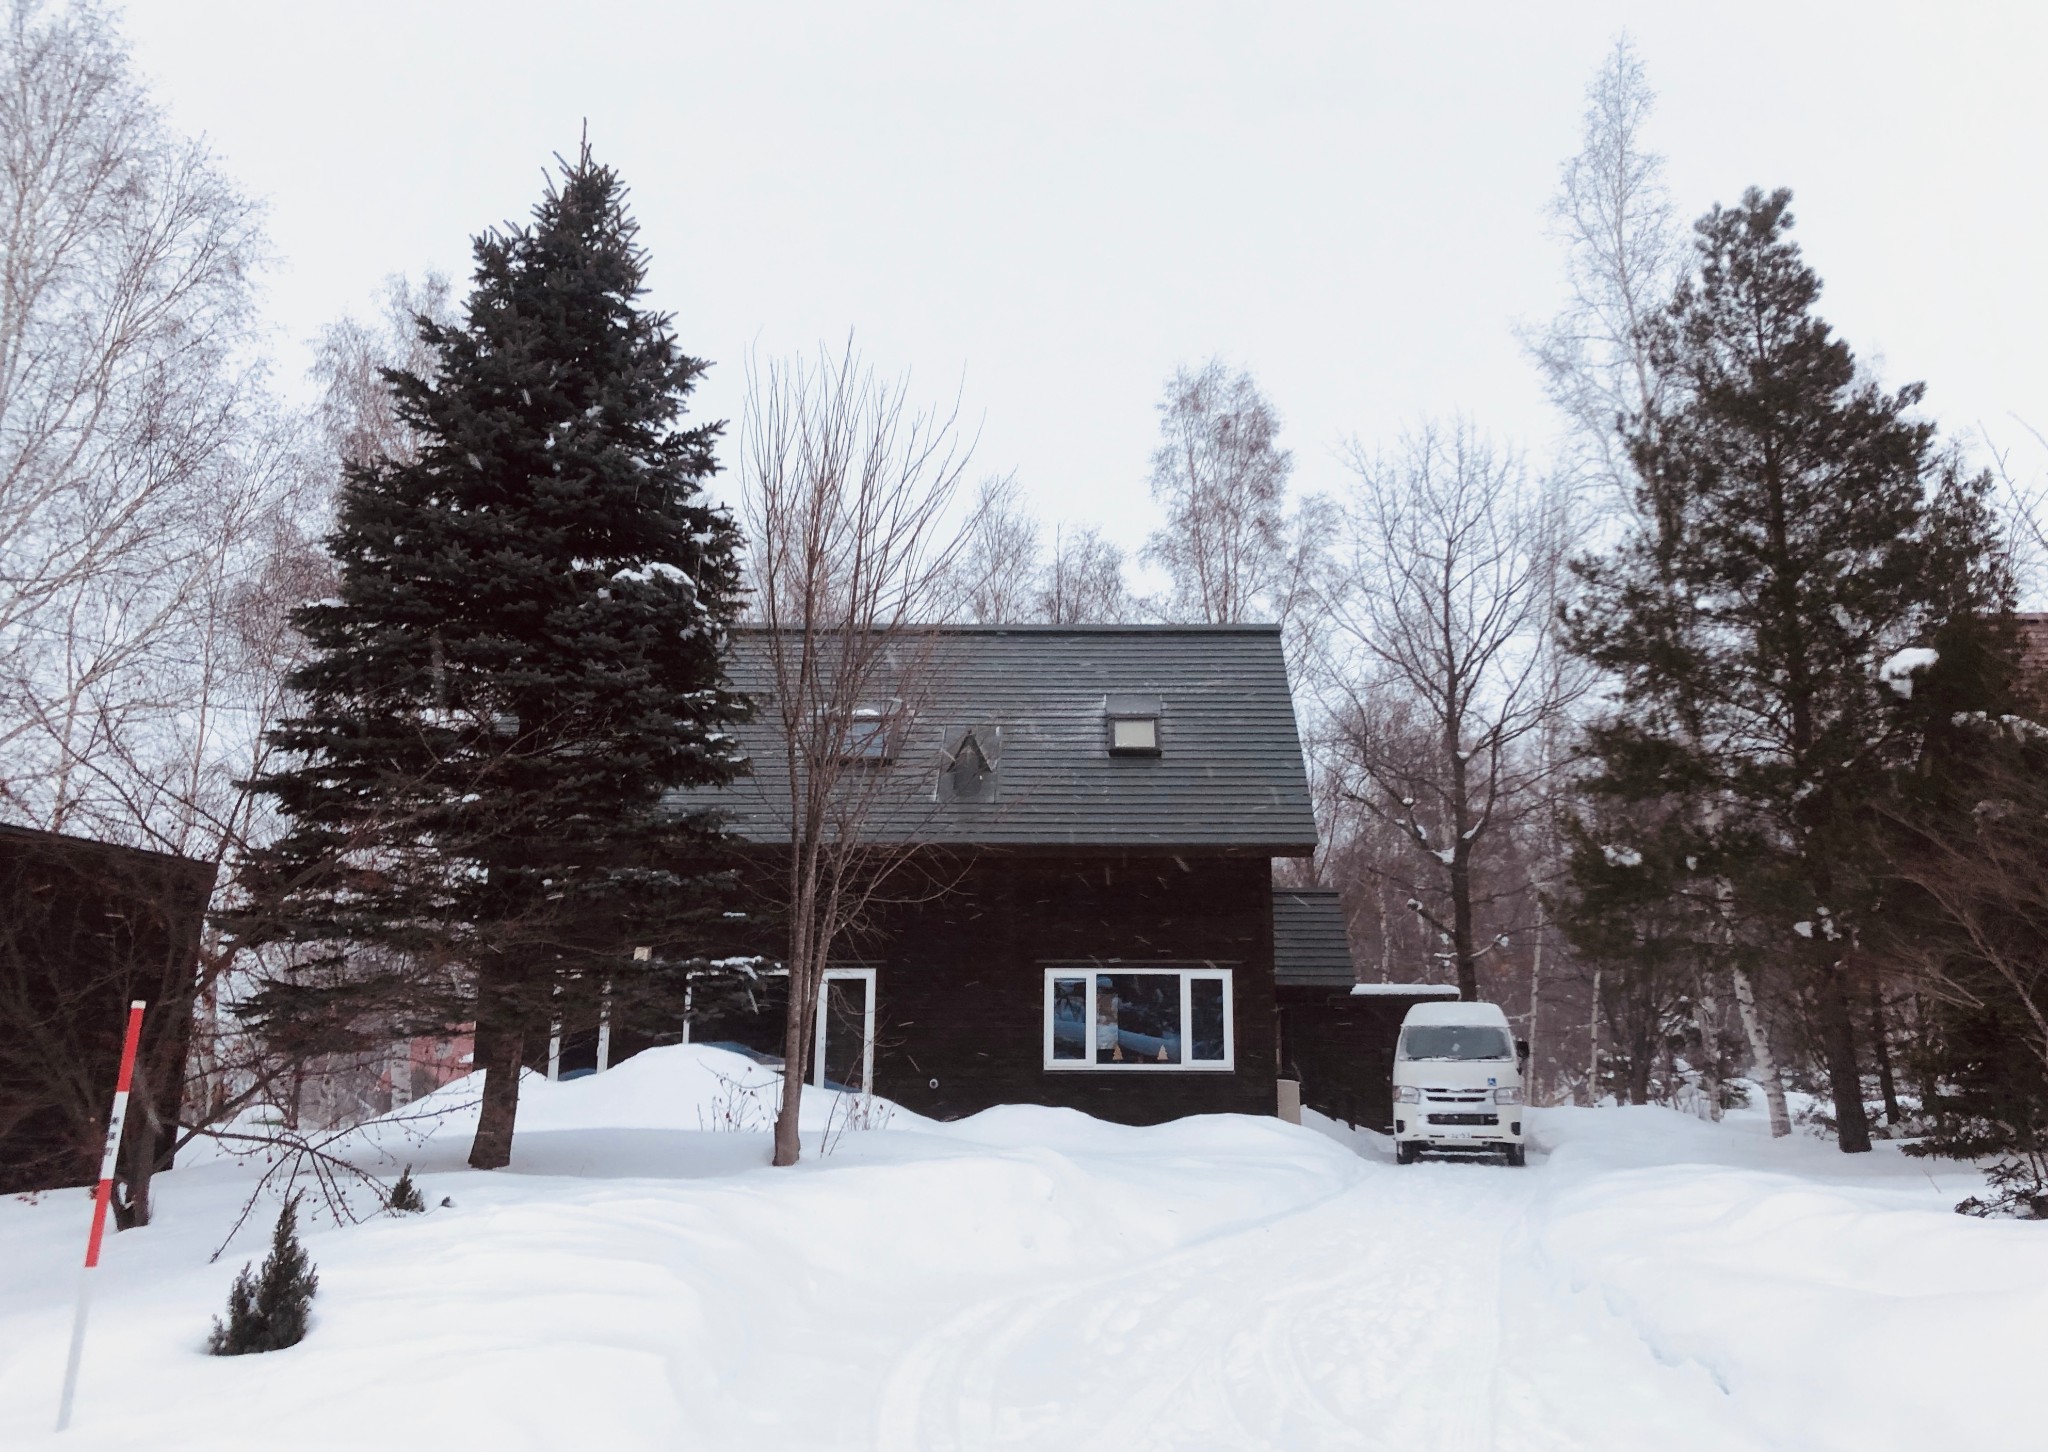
[{"x": 102, "y": 1196}]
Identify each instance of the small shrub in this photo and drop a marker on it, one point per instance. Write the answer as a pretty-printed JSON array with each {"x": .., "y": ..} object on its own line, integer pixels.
[
  {"x": 2019, "y": 1188},
  {"x": 405, "y": 1195},
  {"x": 267, "y": 1311}
]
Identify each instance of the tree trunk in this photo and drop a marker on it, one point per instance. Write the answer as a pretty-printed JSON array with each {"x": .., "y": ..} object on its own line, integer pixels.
[
  {"x": 1640, "y": 1030},
  {"x": 1880, "y": 1041},
  {"x": 1763, "y": 1064},
  {"x": 136, "y": 1158},
  {"x": 1708, "y": 1021},
  {"x": 1593, "y": 1046},
  {"x": 796, "y": 1046},
  {"x": 1838, "y": 1045},
  {"x": 1461, "y": 926},
  {"x": 1535, "y": 1004},
  {"x": 1922, "y": 1061},
  {"x": 500, "y": 1053}
]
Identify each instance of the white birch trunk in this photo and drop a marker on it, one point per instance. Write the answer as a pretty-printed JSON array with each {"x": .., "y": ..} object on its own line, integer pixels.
[{"x": 1764, "y": 1066}]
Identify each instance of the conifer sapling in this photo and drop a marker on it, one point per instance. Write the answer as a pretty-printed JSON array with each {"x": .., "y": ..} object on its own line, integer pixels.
[
  {"x": 268, "y": 1311},
  {"x": 405, "y": 1195}
]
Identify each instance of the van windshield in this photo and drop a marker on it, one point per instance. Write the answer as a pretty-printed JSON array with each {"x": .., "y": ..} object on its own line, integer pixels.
[{"x": 1454, "y": 1041}]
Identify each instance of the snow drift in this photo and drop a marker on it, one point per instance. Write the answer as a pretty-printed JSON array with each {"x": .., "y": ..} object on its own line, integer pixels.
[{"x": 1031, "y": 1277}]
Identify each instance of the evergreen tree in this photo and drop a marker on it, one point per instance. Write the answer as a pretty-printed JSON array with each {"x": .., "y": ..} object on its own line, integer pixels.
[
  {"x": 268, "y": 1311},
  {"x": 1966, "y": 914},
  {"x": 522, "y": 666},
  {"x": 405, "y": 1195},
  {"x": 1797, "y": 527}
]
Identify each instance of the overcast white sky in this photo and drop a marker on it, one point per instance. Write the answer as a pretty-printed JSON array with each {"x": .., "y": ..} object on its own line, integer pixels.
[{"x": 1050, "y": 205}]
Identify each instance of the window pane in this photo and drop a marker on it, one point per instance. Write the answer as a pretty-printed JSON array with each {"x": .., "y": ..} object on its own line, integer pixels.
[
  {"x": 1070, "y": 1018},
  {"x": 866, "y": 739},
  {"x": 1205, "y": 1009},
  {"x": 1137, "y": 1018},
  {"x": 1455, "y": 1041},
  {"x": 744, "y": 1015},
  {"x": 1139, "y": 733},
  {"x": 846, "y": 1032}
]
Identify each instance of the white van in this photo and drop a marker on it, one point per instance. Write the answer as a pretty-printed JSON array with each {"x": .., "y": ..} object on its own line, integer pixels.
[{"x": 1458, "y": 1082}]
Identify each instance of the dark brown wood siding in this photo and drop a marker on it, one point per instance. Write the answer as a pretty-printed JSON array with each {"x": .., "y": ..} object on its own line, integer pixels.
[
  {"x": 960, "y": 992},
  {"x": 960, "y": 979},
  {"x": 85, "y": 928},
  {"x": 1341, "y": 1047}
]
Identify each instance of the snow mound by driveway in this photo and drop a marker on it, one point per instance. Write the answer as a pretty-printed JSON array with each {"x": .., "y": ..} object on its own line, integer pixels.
[{"x": 1034, "y": 1278}]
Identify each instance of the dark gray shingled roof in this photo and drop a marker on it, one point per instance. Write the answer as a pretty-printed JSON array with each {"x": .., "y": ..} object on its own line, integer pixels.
[
  {"x": 1228, "y": 775},
  {"x": 1309, "y": 946}
]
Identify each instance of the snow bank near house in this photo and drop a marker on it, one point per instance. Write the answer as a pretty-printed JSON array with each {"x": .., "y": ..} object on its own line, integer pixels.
[
  {"x": 1799, "y": 1297},
  {"x": 1031, "y": 1277}
]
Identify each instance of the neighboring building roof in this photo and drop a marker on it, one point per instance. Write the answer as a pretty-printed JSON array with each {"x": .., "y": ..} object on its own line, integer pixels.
[
  {"x": 1311, "y": 949},
  {"x": 116, "y": 860},
  {"x": 1309, "y": 946},
  {"x": 1227, "y": 773}
]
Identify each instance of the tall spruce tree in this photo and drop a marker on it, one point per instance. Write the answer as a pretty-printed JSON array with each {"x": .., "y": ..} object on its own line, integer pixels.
[
  {"x": 524, "y": 661},
  {"x": 1797, "y": 525}
]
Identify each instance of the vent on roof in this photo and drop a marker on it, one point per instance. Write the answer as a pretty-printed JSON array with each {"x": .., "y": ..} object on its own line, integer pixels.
[
  {"x": 1133, "y": 725},
  {"x": 967, "y": 770}
]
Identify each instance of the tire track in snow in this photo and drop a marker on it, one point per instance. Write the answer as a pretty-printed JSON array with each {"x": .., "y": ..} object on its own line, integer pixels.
[{"x": 1371, "y": 1319}]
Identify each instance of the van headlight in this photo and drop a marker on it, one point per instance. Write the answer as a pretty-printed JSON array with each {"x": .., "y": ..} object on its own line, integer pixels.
[
  {"x": 1507, "y": 1096},
  {"x": 1407, "y": 1094}
]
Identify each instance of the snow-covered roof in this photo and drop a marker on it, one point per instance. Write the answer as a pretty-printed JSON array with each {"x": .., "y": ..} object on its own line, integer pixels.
[
  {"x": 1405, "y": 990},
  {"x": 1460, "y": 1013}
]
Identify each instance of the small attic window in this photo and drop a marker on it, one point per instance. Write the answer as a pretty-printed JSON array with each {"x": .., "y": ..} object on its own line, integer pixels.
[
  {"x": 869, "y": 736},
  {"x": 1134, "y": 733},
  {"x": 1133, "y": 725}
]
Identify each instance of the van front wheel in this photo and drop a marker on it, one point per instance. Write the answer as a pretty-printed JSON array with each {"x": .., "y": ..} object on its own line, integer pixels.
[
  {"x": 1404, "y": 1152},
  {"x": 1518, "y": 1154}
]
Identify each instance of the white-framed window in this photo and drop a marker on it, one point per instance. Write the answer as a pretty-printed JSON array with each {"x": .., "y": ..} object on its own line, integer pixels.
[
  {"x": 1133, "y": 724},
  {"x": 1127, "y": 1017}
]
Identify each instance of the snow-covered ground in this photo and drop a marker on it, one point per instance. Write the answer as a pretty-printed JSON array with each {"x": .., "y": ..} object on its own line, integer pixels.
[{"x": 1034, "y": 1278}]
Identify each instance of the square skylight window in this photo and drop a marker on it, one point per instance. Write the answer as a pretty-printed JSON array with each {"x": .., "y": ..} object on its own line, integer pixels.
[{"x": 1134, "y": 735}]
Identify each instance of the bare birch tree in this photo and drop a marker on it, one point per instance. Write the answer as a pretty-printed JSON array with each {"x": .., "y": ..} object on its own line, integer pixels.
[
  {"x": 1006, "y": 578},
  {"x": 853, "y": 552},
  {"x": 132, "y": 460},
  {"x": 1000, "y": 562},
  {"x": 1231, "y": 548},
  {"x": 357, "y": 412},
  {"x": 1445, "y": 639},
  {"x": 1082, "y": 582},
  {"x": 1623, "y": 253}
]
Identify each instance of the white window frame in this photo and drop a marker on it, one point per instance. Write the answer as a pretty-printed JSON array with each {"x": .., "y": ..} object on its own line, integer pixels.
[
  {"x": 867, "y": 1028},
  {"x": 1188, "y": 975}
]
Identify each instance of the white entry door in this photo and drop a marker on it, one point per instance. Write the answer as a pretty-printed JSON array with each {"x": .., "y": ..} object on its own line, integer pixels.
[{"x": 844, "y": 1056}]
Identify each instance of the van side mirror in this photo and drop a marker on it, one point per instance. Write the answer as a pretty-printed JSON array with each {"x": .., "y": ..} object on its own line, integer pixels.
[{"x": 1521, "y": 1048}]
